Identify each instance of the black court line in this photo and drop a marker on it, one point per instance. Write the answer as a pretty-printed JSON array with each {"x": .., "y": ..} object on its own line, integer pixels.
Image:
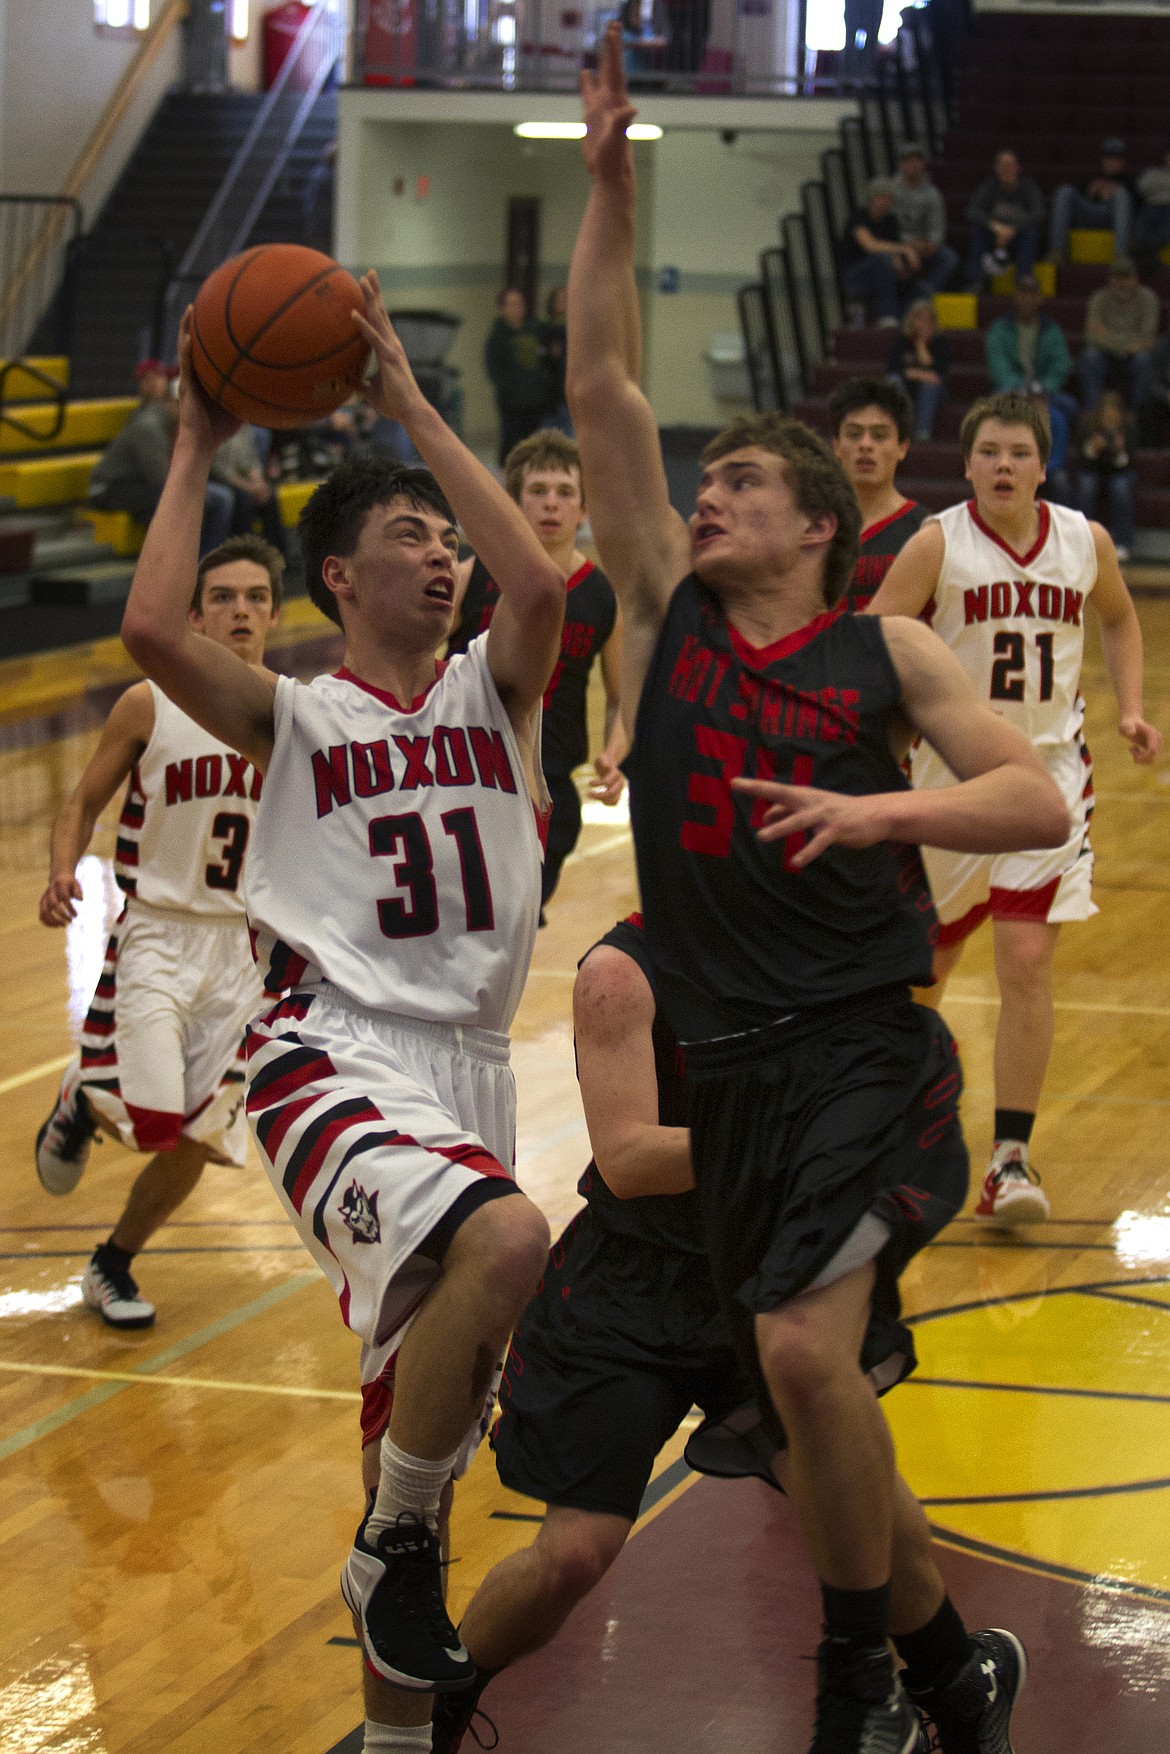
[
  {"x": 1067, "y": 1492},
  {"x": 171, "y": 1224},
  {"x": 1129, "y": 1297},
  {"x": 1087, "y": 1223},
  {"x": 514, "y": 1516},
  {"x": 1017, "y": 1388},
  {"x": 1022, "y": 1246},
  {"x": 1049, "y": 1568},
  {"x": 1090, "y": 1285}
]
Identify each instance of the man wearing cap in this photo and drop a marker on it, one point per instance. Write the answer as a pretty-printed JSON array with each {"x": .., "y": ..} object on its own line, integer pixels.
[
  {"x": 129, "y": 474},
  {"x": 1106, "y": 201},
  {"x": 876, "y": 266},
  {"x": 1027, "y": 351},
  {"x": 1121, "y": 324},
  {"x": 921, "y": 214}
]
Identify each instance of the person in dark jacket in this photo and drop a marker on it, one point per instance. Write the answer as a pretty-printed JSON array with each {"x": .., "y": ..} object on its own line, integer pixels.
[
  {"x": 129, "y": 474},
  {"x": 1104, "y": 444},
  {"x": 920, "y": 359},
  {"x": 876, "y": 266},
  {"x": 1106, "y": 200},
  {"x": 1005, "y": 215},
  {"x": 515, "y": 360},
  {"x": 1027, "y": 351}
]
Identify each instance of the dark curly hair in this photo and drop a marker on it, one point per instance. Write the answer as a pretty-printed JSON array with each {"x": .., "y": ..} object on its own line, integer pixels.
[{"x": 331, "y": 522}]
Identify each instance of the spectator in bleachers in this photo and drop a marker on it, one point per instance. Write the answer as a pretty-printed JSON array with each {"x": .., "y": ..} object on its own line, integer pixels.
[
  {"x": 237, "y": 465},
  {"x": 1104, "y": 443},
  {"x": 1005, "y": 215},
  {"x": 1105, "y": 201},
  {"x": 1151, "y": 232},
  {"x": 920, "y": 359},
  {"x": 1026, "y": 350},
  {"x": 877, "y": 268},
  {"x": 555, "y": 354},
  {"x": 921, "y": 213},
  {"x": 1154, "y": 411},
  {"x": 129, "y": 474},
  {"x": 1121, "y": 325}
]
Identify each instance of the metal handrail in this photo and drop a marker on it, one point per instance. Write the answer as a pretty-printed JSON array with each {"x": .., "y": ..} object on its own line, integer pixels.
[{"x": 753, "y": 321}]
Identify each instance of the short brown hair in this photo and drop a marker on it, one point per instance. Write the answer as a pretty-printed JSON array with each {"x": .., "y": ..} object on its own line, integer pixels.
[
  {"x": 546, "y": 448},
  {"x": 816, "y": 478},
  {"x": 1013, "y": 408},
  {"x": 241, "y": 548}
]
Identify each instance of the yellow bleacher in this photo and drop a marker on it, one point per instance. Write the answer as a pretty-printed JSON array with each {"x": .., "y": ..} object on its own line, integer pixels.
[
  {"x": 85, "y": 423},
  {"x": 291, "y": 496},
  {"x": 22, "y": 386},
  {"x": 30, "y": 482}
]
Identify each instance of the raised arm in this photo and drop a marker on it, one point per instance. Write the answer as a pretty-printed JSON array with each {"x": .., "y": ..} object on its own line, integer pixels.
[
  {"x": 642, "y": 540},
  {"x": 1004, "y": 800},
  {"x": 524, "y": 639},
  {"x": 910, "y": 583},
  {"x": 613, "y": 1017},
  {"x": 127, "y": 732},
  {"x": 231, "y": 699},
  {"x": 1121, "y": 646}
]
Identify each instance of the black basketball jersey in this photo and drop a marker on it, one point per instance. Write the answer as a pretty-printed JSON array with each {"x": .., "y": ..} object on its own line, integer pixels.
[
  {"x": 590, "y": 613},
  {"x": 668, "y": 1220},
  {"x": 475, "y": 611},
  {"x": 880, "y": 543},
  {"x": 737, "y": 936}
]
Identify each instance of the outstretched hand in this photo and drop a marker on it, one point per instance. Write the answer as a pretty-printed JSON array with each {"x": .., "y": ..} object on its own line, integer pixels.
[
  {"x": 608, "y": 113},
  {"x": 199, "y": 417},
  {"x": 392, "y": 391},
  {"x": 1144, "y": 740},
  {"x": 823, "y": 819},
  {"x": 608, "y": 782}
]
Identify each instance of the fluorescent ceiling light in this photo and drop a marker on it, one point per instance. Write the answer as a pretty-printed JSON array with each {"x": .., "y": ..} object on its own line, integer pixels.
[{"x": 576, "y": 130}]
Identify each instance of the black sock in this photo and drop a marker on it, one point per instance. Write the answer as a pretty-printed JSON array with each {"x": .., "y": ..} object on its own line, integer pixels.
[
  {"x": 936, "y": 1652},
  {"x": 1015, "y": 1124},
  {"x": 856, "y": 1616},
  {"x": 113, "y": 1256}
]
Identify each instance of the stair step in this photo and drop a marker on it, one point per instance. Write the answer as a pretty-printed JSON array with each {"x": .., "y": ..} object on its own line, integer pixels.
[{"x": 75, "y": 587}]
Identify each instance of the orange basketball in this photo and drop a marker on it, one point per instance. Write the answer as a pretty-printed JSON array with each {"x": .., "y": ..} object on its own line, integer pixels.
[{"x": 274, "y": 341}]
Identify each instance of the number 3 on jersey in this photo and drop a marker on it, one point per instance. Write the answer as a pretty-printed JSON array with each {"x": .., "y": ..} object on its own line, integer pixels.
[
  {"x": 416, "y": 913},
  {"x": 713, "y": 791}
]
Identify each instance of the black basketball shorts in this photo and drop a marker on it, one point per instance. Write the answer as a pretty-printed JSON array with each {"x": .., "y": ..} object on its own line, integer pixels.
[
  {"x": 800, "y": 1129},
  {"x": 622, "y": 1338}
]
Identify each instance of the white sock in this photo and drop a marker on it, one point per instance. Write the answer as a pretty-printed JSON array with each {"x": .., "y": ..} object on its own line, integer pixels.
[
  {"x": 396, "y": 1738},
  {"x": 408, "y": 1483}
]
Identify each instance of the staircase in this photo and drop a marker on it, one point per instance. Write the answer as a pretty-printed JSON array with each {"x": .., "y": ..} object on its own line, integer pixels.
[{"x": 1053, "y": 89}]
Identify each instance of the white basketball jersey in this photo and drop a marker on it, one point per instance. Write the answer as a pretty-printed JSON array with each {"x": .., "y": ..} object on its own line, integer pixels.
[
  {"x": 1016, "y": 621},
  {"x": 396, "y": 852},
  {"x": 187, "y": 818}
]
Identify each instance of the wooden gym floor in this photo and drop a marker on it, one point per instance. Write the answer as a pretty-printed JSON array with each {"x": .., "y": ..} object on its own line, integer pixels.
[{"x": 177, "y": 1503}]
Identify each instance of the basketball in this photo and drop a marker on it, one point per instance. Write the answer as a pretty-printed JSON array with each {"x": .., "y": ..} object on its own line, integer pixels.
[{"x": 273, "y": 338}]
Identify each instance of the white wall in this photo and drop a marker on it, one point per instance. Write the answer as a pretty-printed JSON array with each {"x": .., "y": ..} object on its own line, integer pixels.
[{"x": 705, "y": 208}]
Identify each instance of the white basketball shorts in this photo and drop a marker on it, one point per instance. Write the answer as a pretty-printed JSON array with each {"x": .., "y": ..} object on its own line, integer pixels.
[
  {"x": 1053, "y": 885},
  {"x": 162, "y": 1044},
  {"x": 371, "y": 1126}
]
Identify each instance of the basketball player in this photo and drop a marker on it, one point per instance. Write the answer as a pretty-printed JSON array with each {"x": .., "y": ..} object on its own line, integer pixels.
[
  {"x": 1007, "y": 578},
  {"x": 393, "y": 889},
  {"x": 543, "y": 475},
  {"x": 872, "y": 420},
  {"x": 787, "y": 921},
  {"x": 623, "y": 1336},
  {"x": 161, "y": 1064}
]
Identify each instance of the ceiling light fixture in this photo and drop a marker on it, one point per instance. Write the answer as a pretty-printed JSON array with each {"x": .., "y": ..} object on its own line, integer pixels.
[{"x": 576, "y": 131}]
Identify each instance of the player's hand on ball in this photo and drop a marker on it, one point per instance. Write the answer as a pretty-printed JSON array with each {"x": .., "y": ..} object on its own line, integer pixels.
[
  {"x": 56, "y": 907},
  {"x": 608, "y": 786},
  {"x": 199, "y": 417},
  {"x": 608, "y": 113},
  {"x": 392, "y": 391},
  {"x": 1144, "y": 740},
  {"x": 826, "y": 818}
]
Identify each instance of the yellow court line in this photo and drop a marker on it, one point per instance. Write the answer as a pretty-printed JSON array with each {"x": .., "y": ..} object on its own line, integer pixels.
[
  {"x": 33, "y": 1073},
  {"x": 1062, "y": 1005},
  {"x": 180, "y": 1382}
]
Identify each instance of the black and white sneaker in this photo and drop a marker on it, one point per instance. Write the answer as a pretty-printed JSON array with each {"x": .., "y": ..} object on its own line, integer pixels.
[
  {"x": 393, "y": 1585},
  {"x": 112, "y": 1291},
  {"x": 861, "y": 1705},
  {"x": 64, "y": 1140},
  {"x": 973, "y": 1714}
]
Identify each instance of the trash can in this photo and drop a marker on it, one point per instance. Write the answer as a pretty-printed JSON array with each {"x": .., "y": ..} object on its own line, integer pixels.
[
  {"x": 427, "y": 336},
  {"x": 727, "y": 359},
  {"x": 281, "y": 25}
]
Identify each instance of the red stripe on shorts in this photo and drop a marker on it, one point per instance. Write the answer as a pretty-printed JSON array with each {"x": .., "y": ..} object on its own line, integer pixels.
[
  {"x": 1023, "y": 904},
  {"x": 960, "y": 929},
  {"x": 155, "y": 1129},
  {"x": 281, "y": 1088},
  {"x": 309, "y": 1169},
  {"x": 471, "y": 1157},
  {"x": 284, "y": 1120}
]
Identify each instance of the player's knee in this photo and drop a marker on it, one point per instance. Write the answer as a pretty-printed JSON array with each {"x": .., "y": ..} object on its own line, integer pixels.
[
  {"x": 514, "y": 1240},
  {"x": 575, "y": 1560},
  {"x": 798, "y": 1358},
  {"x": 1026, "y": 963}
]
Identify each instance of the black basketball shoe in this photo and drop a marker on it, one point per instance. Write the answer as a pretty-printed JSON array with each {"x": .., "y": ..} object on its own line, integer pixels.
[
  {"x": 393, "y": 1584},
  {"x": 973, "y": 1714},
  {"x": 861, "y": 1705},
  {"x": 454, "y": 1719}
]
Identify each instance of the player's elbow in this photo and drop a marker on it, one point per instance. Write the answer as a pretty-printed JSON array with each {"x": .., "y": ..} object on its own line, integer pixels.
[
  {"x": 148, "y": 642},
  {"x": 1049, "y": 819},
  {"x": 591, "y": 383}
]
